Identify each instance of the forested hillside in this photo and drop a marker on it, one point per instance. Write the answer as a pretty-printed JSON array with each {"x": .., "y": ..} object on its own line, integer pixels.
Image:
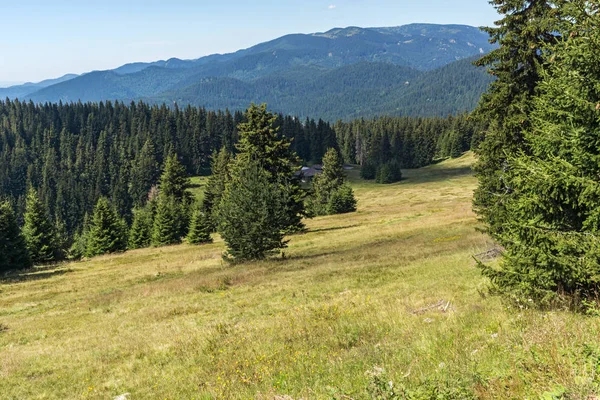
[
  {"x": 340, "y": 74},
  {"x": 360, "y": 90},
  {"x": 74, "y": 154}
]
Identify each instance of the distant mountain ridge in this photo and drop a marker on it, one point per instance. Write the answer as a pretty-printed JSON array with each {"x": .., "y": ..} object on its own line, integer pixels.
[{"x": 336, "y": 68}]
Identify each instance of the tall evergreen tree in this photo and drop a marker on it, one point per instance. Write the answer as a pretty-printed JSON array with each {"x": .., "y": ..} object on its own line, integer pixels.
[
  {"x": 107, "y": 233},
  {"x": 551, "y": 238},
  {"x": 168, "y": 227},
  {"x": 144, "y": 173},
  {"x": 260, "y": 140},
  {"x": 13, "y": 250},
  {"x": 327, "y": 184},
  {"x": 140, "y": 233},
  {"x": 174, "y": 180},
  {"x": 216, "y": 184},
  {"x": 200, "y": 228},
  {"x": 523, "y": 36},
  {"x": 38, "y": 231},
  {"x": 252, "y": 213}
]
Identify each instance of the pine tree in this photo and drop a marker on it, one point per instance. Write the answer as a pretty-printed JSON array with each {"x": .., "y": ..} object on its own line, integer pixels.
[
  {"x": 200, "y": 228},
  {"x": 261, "y": 141},
  {"x": 327, "y": 184},
  {"x": 252, "y": 213},
  {"x": 140, "y": 233},
  {"x": 341, "y": 200},
  {"x": 78, "y": 248},
  {"x": 144, "y": 173},
  {"x": 13, "y": 250},
  {"x": 168, "y": 224},
  {"x": 551, "y": 238},
  {"x": 389, "y": 173},
  {"x": 107, "y": 233},
  {"x": 38, "y": 231},
  {"x": 527, "y": 28},
  {"x": 216, "y": 184},
  {"x": 174, "y": 181}
]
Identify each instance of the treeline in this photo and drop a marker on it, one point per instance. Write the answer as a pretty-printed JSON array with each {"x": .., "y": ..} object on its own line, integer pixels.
[
  {"x": 74, "y": 154},
  {"x": 383, "y": 146},
  {"x": 252, "y": 199}
]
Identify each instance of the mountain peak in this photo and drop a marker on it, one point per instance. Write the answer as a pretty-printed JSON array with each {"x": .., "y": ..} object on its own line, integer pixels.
[{"x": 340, "y": 32}]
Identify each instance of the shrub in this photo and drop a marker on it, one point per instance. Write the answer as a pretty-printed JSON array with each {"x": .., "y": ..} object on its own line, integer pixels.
[
  {"x": 368, "y": 171},
  {"x": 341, "y": 200},
  {"x": 389, "y": 173}
]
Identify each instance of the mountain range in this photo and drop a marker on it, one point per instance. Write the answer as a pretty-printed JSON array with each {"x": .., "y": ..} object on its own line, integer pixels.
[{"x": 417, "y": 69}]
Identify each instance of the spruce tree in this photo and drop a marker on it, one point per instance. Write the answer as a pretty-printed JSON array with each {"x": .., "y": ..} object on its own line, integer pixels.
[
  {"x": 13, "y": 249},
  {"x": 523, "y": 35},
  {"x": 261, "y": 141},
  {"x": 38, "y": 231},
  {"x": 144, "y": 173},
  {"x": 107, "y": 233},
  {"x": 389, "y": 173},
  {"x": 551, "y": 238},
  {"x": 168, "y": 225},
  {"x": 140, "y": 233},
  {"x": 327, "y": 184},
  {"x": 174, "y": 181},
  {"x": 200, "y": 228},
  {"x": 341, "y": 200},
  {"x": 252, "y": 213},
  {"x": 216, "y": 184}
]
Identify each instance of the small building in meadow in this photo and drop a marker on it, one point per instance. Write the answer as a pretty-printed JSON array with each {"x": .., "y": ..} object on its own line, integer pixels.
[{"x": 307, "y": 174}]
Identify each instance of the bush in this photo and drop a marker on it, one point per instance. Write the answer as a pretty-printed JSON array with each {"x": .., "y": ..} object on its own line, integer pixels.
[
  {"x": 341, "y": 201},
  {"x": 389, "y": 173},
  {"x": 368, "y": 171}
]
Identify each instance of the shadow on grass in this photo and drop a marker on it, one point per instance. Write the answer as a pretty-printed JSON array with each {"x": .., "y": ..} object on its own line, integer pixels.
[
  {"x": 33, "y": 274},
  {"x": 437, "y": 174},
  {"x": 333, "y": 228}
]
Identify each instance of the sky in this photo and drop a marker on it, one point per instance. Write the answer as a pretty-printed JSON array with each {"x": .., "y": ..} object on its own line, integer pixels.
[{"x": 44, "y": 39}]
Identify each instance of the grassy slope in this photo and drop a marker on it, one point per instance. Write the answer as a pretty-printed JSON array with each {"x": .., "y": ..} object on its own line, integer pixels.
[{"x": 177, "y": 323}]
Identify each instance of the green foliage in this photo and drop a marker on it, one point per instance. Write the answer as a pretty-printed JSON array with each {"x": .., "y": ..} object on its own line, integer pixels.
[
  {"x": 13, "y": 249},
  {"x": 200, "y": 228},
  {"x": 525, "y": 34},
  {"x": 107, "y": 233},
  {"x": 216, "y": 185},
  {"x": 174, "y": 181},
  {"x": 368, "y": 171},
  {"x": 252, "y": 213},
  {"x": 144, "y": 174},
  {"x": 551, "y": 236},
  {"x": 329, "y": 195},
  {"x": 38, "y": 231},
  {"x": 341, "y": 200},
  {"x": 140, "y": 233},
  {"x": 261, "y": 141},
  {"x": 389, "y": 173},
  {"x": 381, "y": 387},
  {"x": 80, "y": 239},
  {"x": 169, "y": 221}
]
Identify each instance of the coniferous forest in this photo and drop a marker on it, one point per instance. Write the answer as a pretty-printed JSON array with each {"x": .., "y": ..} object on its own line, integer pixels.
[{"x": 70, "y": 156}]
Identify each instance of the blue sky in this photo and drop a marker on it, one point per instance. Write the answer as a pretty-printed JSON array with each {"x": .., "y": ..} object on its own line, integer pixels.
[{"x": 47, "y": 39}]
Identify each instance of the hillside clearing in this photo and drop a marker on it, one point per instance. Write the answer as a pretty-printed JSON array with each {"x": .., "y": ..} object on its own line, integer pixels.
[{"x": 392, "y": 286}]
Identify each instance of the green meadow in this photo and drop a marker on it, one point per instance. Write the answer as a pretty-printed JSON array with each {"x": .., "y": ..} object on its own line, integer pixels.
[{"x": 387, "y": 299}]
